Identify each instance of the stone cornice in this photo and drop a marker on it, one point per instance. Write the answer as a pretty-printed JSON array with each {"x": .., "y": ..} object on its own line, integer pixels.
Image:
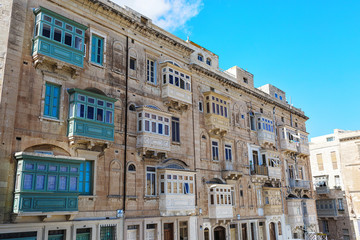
[
  {"x": 141, "y": 27},
  {"x": 255, "y": 92},
  {"x": 349, "y": 138}
]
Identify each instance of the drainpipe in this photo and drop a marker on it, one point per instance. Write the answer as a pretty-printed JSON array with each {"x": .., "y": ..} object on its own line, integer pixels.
[
  {"x": 126, "y": 119},
  {"x": 193, "y": 125}
]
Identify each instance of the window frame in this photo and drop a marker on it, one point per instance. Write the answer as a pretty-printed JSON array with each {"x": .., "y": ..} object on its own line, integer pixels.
[
  {"x": 228, "y": 152},
  {"x": 52, "y": 87},
  {"x": 215, "y": 150},
  {"x": 175, "y": 129},
  {"x": 93, "y": 46},
  {"x": 150, "y": 72},
  {"x": 91, "y": 180},
  {"x": 152, "y": 184}
]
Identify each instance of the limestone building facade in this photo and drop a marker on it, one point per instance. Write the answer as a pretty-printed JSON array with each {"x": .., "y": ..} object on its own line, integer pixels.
[
  {"x": 334, "y": 160},
  {"x": 113, "y": 128}
]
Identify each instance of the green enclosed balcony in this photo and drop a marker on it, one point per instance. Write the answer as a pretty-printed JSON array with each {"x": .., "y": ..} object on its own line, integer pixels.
[
  {"x": 91, "y": 115},
  {"x": 46, "y": 183},
  {"x": 58, "y": 37}
]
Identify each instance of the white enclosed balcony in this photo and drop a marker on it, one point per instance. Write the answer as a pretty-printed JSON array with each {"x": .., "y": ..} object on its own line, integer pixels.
[
  {"x": 153, "y": 130},
  {"x": 288, "y": 139},
  {"x": 176, "y": 86},
  {"x": 177, "y": 197},
  {"x": 265, "y": 130},
  {"x": 220, "y": 201}
]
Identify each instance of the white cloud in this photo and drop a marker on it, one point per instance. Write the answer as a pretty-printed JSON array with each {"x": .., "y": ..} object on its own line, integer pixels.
[{"x": 168, "y": 14}]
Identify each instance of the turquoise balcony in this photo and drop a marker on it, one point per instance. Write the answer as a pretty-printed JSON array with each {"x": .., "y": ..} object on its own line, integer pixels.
[
  {"x": 46, "y": 183},
  {"x": 58, "y": 37},
  {"x": 91, "y": 115}
]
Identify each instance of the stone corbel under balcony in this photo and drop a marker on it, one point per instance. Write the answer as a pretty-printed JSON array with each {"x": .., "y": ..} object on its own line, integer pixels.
[
  {"x": 43, "y": 216},
  {"x": 176, "y": 106},
  {"x": 231, "y": 174},
  {"x": 218, "y": 132},
  {"x": 56, "y": 65},
  {"x": 80, "y": 142}
]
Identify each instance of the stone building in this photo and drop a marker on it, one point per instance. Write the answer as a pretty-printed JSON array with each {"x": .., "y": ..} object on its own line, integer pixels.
[
  {"x": 334, "y": 164},
  {"x": 113, "y": 128}
]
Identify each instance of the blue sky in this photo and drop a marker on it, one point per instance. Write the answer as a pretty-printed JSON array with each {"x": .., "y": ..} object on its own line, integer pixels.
[{"x": 309, "y": 49}]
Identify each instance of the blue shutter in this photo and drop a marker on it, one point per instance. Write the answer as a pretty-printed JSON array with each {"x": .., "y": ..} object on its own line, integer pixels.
[{"x": 52, "y": 100}]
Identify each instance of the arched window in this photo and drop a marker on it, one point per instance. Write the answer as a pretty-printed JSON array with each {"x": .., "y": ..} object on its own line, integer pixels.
[
  {"x": 132, "y": 107},
  {"x": 132, "y": 168},
  {"x": 206, "y": 234}
]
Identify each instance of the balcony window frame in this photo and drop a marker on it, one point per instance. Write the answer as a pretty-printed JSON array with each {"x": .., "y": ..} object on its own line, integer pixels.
[
  {"x": 221, "y": 195},
  {"x": 175, "y": 129},
  {"x": 176, "y": 78},
  {"x": 67, "y": 26},
  {"x": 86, "y": 169},
  {"x": 92, "y": 100},
  {"x": 158, "y": 120},
  {"x": 218, "y": 105},
  {"x": 182, "y": 182},
  {"x": 151, "y": 71}
]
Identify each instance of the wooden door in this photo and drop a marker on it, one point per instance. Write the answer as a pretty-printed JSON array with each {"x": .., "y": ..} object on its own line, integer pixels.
[
  {"x": 244, "y": 231},
  {"x": 272, "y": 231},
  {"x": 168, "y": 231},
  {"x": 219, "y": 233},
  {"x": 233, "y": 233}
]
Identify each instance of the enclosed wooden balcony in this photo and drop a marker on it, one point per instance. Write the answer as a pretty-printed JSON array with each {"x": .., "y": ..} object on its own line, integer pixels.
[
  {"x": 265, "y": 131},
  {"x": 220, "y": 204},
  {"x": 288, "y": 139},
  {"x": 299, "y": 184},
  {"x": 177, "y": 192},
  {"x": 176, "y": 86},
  {"x": 217, "y": 118},
  {"x": 153, "y": 130}
]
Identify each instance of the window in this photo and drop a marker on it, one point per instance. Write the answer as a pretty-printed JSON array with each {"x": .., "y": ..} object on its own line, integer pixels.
[
  {"x": 52, "y": 100},
  {"x": 276, "y": 96},
  {"x": 97, "y": 49},
  {"x": 215, "y": 150},
  {"x": 252, "y": 121},
  {"x": 245, "y": 80},
  {"x": 208, "y": 61},
  {"x": 320, "y": 162},
  {"x": 150, "y": 181},
  {"x": 176, "y": 78},
  {"x": 151, "y": 71},
  {"x": 107, "y": 232},
  {"x": 337, "y": 181},
  {"x": 340, "y": 204},
  {"x": 89, "y": 106},
  {"x": 201, "y": 106},
  {"x": 280, "y": 97},
  {"x": 228, "y": 152},
  {"x": 175, "y": 125},
  {"x": 221, "y": 195},
  {"x": 334, "y": 160},
  {"x": 216, "y": 104},
  {"x": 330, "y": 139},
  {"x": 132, "y": 63},
  {"x": 265, "y": 124},
  {"x": 183, "y": 230},
  {"x": 86, "y": 178},
  {"x": 156, "y": 124},
  {"x": 132, "y": 168},
  {"x": 325, "y": 226},
  {"x": 200, "y": 58},
  {"x": 176, "y": 184}
]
